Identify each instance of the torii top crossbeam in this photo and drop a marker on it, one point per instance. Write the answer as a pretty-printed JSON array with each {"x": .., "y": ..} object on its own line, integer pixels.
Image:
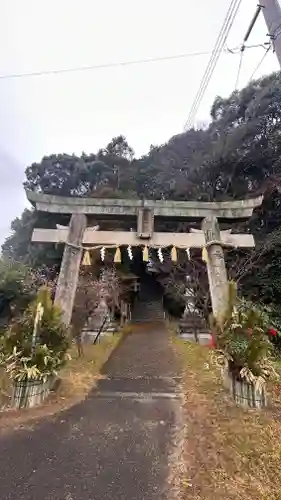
[{"x": 237, "y": 209}]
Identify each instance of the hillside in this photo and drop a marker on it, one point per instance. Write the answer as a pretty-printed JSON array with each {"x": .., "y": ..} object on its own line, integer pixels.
[{"x": 237, "y": 156}]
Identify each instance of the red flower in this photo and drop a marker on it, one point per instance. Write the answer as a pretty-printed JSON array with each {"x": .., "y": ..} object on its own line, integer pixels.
[
  {"x": 272, "y": 332},
  {"x": 212, "y": 342}
]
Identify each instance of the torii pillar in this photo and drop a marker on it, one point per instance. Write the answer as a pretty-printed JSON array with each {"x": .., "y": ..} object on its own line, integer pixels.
[
  {"x": 216, "y": 268},
  {"x": 70, "y": 265}
]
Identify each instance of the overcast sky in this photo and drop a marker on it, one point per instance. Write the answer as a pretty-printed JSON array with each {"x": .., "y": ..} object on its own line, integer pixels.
[{"x": 75, "y": 112}]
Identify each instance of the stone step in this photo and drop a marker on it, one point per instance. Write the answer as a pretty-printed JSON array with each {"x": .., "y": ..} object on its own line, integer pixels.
[
  {"x": 150, "y": 306},
  {"x": 147, "y": 310},
  {"x": 149, "y": 313},
  {"x": 190, "y": 323},
  {"x": 146, "y": 314},
  {"x": 193, "y": 325},
  {"x": 192, "y": 320},
  {"x": 202, "y": 338},
  {"x": 192, "y": 331},
  {"x": 147, "y": 319}
]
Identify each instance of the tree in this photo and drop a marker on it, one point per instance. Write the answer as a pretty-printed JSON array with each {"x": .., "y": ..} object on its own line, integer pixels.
[
  {"x": 62, "y": 174},
  {"x": 90, "y": 290},
  {"x": 19, "y": 285},
  {"x": 188, "y": 277},
  {"x": 19, "y": 247},
  {"x": 236, "y": 156},
  {"x": 118, "y": 148}
]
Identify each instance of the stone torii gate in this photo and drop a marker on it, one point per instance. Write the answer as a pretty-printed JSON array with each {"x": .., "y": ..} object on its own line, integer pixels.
[{"x": 145, "y": 212}]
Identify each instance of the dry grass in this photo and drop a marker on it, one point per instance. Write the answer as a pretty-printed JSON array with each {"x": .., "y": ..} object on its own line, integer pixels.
[
  {"x": 5, "y": 389},
  {"x": 230, "y": 453},
  {"x": 80, "y": 374},
  {"x": 77, "y": 378}
]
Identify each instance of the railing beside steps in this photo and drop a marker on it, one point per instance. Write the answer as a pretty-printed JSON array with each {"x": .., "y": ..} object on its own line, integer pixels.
[
  {"x": 105, "y": 325},
  {"x": 193, "y": 328},
  {"x": 101, "y": 328},
  {"x": 126, "y": 313}
]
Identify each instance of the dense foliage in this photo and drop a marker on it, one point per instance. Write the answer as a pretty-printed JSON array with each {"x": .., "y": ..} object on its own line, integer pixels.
[
  {"x": 236, "y": 156},
  {"x": 19, "y": 284},
  {"x": 13, "y": 279}
]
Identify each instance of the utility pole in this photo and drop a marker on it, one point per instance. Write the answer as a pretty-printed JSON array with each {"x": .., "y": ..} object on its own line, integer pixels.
[{"x": 272, "y": 14}]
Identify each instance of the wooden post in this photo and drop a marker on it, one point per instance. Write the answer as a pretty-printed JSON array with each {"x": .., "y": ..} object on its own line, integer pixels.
[
  {"x": 215, "y": 266},
  {"x": 69, "y": 271}
]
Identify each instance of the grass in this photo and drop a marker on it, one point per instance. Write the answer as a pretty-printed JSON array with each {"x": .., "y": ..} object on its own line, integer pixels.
[
  {"x": 230, "y": 453},
  {"x": 5, "y": 389},
  {"x": 80, "y": 375},
  {"x": 76, "y": 379}
]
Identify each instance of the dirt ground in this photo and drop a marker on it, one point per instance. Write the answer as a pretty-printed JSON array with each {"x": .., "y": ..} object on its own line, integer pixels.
[
  {"x": 229, "y": 453},
  {"x": 77, "y": 378}
]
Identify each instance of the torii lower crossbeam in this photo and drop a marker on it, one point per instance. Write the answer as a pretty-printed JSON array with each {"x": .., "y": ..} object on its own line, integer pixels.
[{"x": 119, "y": 238}]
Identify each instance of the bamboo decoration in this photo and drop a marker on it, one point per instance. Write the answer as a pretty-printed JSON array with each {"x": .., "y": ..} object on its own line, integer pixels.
[
  {"x": 174, "y": 255},
  {"x": 145, "y": 255},
  {"x": 204, "y": 255},
  {"x": 86, "y": 259},
  {"x": 117, "y": 256},
  {"x": 38, "y": 318}
]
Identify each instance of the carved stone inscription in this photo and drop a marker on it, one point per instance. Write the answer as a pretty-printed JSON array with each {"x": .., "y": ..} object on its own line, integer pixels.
[
  {"x": 113, "y": 210},
  {"x": 217, "y": 278},
  {"x": 216, "y": 266},
  {"x": 145, "y": 223}
]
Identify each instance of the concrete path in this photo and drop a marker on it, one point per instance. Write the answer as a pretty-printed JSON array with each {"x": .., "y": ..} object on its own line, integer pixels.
[{"x": 118, "y": 444}]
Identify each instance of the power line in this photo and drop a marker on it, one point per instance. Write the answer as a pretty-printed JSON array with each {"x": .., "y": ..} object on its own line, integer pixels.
[
  {"x": 228, "y": 21},
  {"x": 221, "y": 39},
  {"x": 260, "y": 62},
  {"x": 239, "y": 67},
  {"x": 102, "y": 66},
  {"x": 264, "y": 46},
  {"x": 77, "y": 69},
  {"x": 210, "y": 67}
]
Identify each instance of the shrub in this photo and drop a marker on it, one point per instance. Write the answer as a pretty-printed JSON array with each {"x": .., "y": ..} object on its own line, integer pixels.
[
  {"x": 242, "y": 339},
  {"x": 22, "y": 357},
  {"x": 272, "y": 315}
]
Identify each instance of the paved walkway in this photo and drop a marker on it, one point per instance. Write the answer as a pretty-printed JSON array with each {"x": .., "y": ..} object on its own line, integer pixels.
[{"x": 116, "y": 445}]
